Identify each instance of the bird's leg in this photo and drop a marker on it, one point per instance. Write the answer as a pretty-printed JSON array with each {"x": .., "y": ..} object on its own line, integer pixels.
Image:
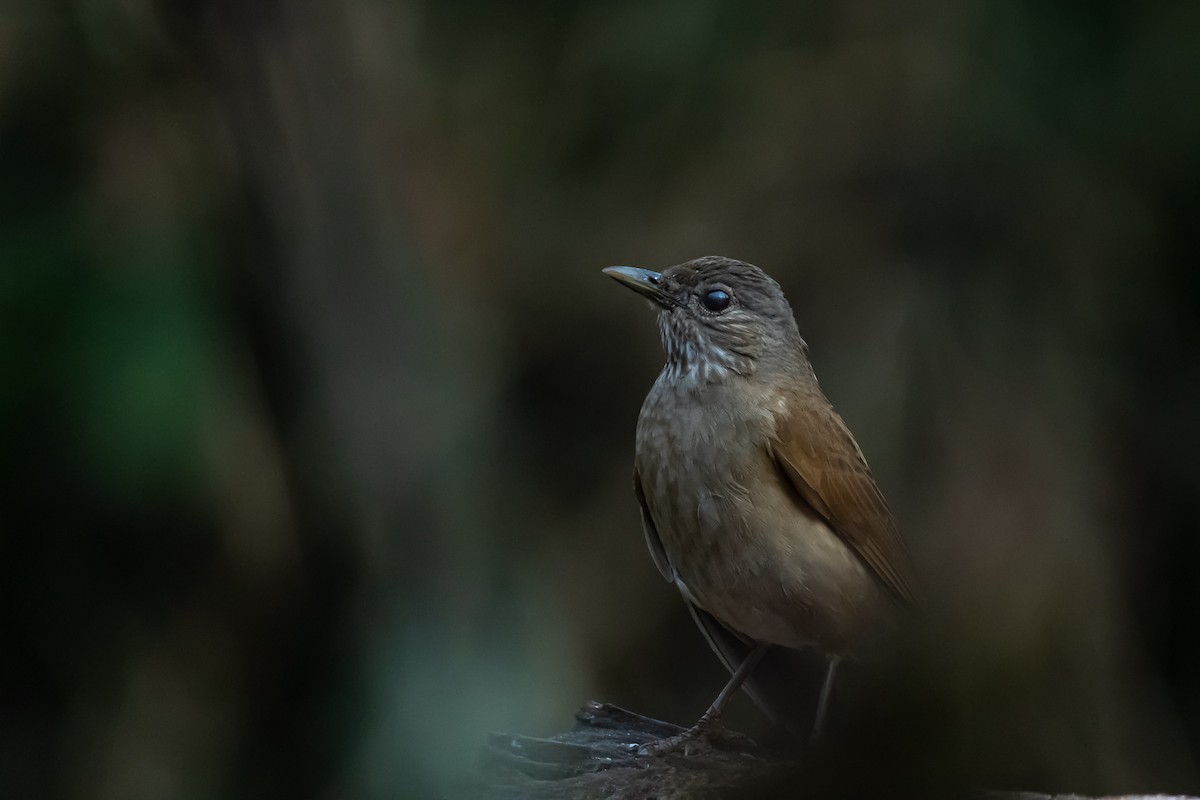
[
  {"x": 735, "y": 682},
  {"x": 711, "y": 720},
  {"x": 823, "y": 702}
]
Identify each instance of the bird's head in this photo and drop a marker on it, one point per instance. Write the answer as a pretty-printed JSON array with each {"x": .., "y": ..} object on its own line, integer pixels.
[{"x": 717, "y": 315}]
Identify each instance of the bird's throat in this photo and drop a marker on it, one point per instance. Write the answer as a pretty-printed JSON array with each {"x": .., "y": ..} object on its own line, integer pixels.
[{"x": 695, "y": 354}]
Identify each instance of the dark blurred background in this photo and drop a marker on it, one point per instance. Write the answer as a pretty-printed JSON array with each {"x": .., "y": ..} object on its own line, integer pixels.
[{"x": 318, "y": 414}]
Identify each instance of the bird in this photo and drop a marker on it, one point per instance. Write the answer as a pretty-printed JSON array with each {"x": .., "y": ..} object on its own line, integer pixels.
[{"x": 756, "y": 500}]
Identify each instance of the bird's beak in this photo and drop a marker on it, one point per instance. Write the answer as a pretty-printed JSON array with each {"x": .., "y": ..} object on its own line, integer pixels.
[{"x": 642, "y": 281}]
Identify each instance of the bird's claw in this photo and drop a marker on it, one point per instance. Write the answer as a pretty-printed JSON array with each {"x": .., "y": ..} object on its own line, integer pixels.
[{"x": 707, "y": 733}]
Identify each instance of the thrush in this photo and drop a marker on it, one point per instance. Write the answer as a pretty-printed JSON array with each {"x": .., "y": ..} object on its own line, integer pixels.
[{"x": 756, "y": 501}]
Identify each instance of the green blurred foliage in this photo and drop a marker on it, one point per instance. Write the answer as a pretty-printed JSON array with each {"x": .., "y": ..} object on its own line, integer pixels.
[{"x": 319, "y": 415}]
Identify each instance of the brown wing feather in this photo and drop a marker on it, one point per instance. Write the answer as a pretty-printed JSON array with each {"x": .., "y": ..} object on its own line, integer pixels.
[{"x": 814, "y": 449}]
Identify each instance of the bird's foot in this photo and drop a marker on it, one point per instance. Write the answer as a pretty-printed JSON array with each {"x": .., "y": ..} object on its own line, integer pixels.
[{"x": 708, "y": 734}]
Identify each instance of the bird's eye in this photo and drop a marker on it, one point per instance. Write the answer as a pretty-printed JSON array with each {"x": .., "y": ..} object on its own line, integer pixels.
[{"x": 716, "y": 300}]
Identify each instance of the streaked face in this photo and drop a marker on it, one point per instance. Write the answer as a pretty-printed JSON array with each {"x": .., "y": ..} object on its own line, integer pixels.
[
  {"x": 718, "y": 316},
  {"x": 722, "y": 315}
]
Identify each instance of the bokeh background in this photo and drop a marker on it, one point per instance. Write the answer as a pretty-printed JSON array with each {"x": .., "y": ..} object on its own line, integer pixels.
[{"x": 318, "y": 414}]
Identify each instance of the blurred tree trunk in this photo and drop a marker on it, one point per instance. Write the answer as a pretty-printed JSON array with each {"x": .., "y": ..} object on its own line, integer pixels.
[{"x": 348, "y": 353}]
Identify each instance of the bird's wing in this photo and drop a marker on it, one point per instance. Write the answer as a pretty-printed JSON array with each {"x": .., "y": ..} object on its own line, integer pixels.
[
  {"x": 653, "y": 542},
  {"x": 815, "y": 451}
]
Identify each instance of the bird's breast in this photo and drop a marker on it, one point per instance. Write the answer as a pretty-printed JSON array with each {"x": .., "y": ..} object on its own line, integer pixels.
[{"x": 740, "y": 544}]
